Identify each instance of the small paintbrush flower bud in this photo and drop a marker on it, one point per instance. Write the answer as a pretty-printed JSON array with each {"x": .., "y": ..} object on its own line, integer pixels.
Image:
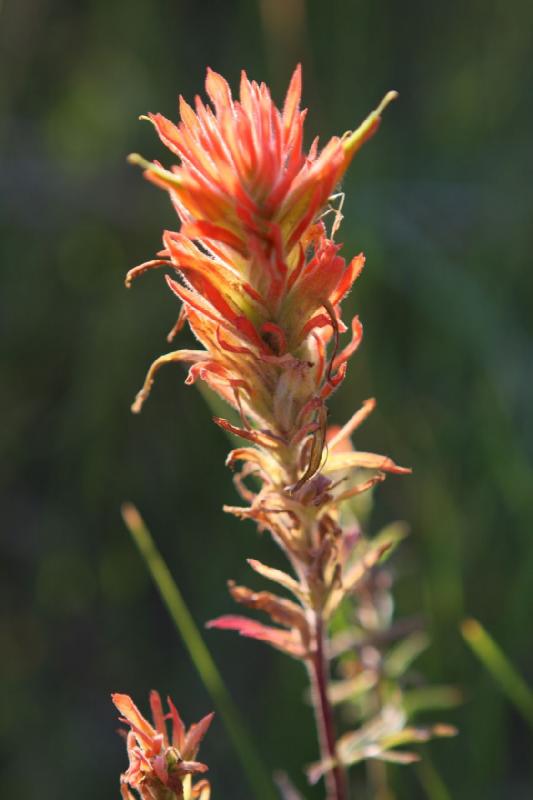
[{"x": 161, "y": 767}]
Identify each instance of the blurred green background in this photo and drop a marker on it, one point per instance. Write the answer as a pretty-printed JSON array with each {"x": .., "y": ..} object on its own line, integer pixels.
[{"x": 440, "y": 201}]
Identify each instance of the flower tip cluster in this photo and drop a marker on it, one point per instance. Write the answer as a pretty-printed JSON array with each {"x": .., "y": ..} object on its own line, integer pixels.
[
  {"x": 161, "y": 766},
  {"x": 259, "y": 277}
]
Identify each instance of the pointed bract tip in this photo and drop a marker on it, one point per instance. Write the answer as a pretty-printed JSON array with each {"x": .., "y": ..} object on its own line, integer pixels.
[
  {"x": 207, "y": 720},
  {"x": 441, "y": 729},
  {"x": 389, "y": 97},
  {"x": 296, "y": 81},
  {"x": 402, "y": 470},
  {"x": 136, "y": 406},
  {"x": 139, "y": 161},
  {"x": 352, "y": 141}
]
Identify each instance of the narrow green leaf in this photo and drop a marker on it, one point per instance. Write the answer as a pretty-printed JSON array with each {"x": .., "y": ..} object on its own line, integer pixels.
[
  {"x": 278, "y": 576},
  {"x": 397, "y": 757},
  {"x": 352, "y": 688},
  {"x": 499, "y": 666},
  {"x": 425, "y": 698},
  {"x": 201, "y": 657},
  {"x": 432, "y": 782},
  {"x": 404, "y": 653},
  {"x": 412, "y": 735}
]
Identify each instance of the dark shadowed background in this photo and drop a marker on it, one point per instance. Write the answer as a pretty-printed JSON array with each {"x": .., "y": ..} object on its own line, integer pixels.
[{"x": 440, "y": 201}]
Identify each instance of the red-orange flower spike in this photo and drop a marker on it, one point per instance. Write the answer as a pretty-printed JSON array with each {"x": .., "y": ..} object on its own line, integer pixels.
[
  {"x": 243, "y": 172},
  {"x": 261, "y": 281},
  {"x": 260, "y": 275},
  {"x": 243, "y": 165},
  {"x": 161, "y": 768}
]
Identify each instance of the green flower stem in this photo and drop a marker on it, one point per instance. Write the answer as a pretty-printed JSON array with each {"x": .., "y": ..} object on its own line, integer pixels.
[
  {"x": 256, "y": 773},
  {"x": 501, "y": 669}
]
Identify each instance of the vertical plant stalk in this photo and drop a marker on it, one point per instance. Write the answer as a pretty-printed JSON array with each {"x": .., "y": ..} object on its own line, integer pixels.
[
  {"x": 336, "y": 783},
  {"x": 261, "y": 283}
]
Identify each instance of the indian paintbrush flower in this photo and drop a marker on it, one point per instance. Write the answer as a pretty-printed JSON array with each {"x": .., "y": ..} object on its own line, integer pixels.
[
  {"x": 161, "y": 768},
  {"x": 261, "y": 280}
]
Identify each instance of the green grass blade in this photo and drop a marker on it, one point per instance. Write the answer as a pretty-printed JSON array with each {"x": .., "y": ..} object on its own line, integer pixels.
[
  {"x": 255, "y": 771},
  {"x": 432, "y": 782},
  {"x": 499, "y": 666}
]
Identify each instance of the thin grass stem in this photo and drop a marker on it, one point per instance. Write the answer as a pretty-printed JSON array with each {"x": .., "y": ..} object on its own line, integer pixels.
[
  {"x": 433, "y": 785},
  {"x": 494, "y": 659}
]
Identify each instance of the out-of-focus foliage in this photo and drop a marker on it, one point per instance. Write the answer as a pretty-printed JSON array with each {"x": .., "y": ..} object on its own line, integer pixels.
[{"x": 440, "y": 202}]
